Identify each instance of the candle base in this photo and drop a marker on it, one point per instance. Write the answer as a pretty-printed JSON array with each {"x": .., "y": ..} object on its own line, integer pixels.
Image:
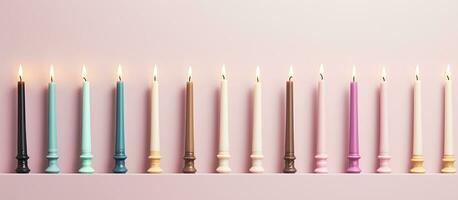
[
  {"x": 384, "y": 161},
  {"x": 321, "y": 163},
  {"x": 189, "y": 159},
  {"x": 256, "y": 164},
  {"x": 417, "y": 165},
  {"x": 448, "y": 162},
  {"x": 155, "y": 162},
  {"x": 223, "y": 163},
  {"x": 289, "y": 164},
  {"x": 86, "y": 164},
  {"x": 22, "y": 164},
  {"x": 52, "y": 164},
  {"x": 120, "y": 164},
  {"x": 353, "y": 164}
]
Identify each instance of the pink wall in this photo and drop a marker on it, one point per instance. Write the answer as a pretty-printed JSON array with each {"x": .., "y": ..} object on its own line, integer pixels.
[{"x": 240, "y": 34}]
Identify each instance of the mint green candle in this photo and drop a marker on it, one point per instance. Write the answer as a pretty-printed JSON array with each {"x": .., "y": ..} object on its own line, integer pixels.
[
  {"x": 86, "y": 155},
  {"x": 52, "y": 129}
]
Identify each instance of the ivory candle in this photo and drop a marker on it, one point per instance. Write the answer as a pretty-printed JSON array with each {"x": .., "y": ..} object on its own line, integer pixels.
[
  {"x": 256, "y": 149},
  {"x": 223, "y": 155},
  {"x": 321, "y": 156},
  {"x": 417, "y": 151},
  {"x": 384, "y": 156},
  {"x": 155, "y": 150},
  {"x": 448, "y": 158}
]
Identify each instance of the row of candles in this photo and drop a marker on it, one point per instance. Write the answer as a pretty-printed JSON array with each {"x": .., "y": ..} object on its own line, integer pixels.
[{"x": 224, "y": 155}]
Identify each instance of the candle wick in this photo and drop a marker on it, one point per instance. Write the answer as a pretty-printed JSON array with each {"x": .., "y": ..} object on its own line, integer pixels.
[
  {"x": 52, "y": 79},
  {"x": 354, "y": 78},
  {"x": 257, "y": 79},
  {"x": 84, "y": 78},
  {"x": 290, "y": 77},
  {"x": 321, "y": 75},
  {"x": 224, "y": 77},
  {"x": 155, "y": 79},
  {"x": 448, "y": 77},
  {"x": 189, "y": 79},
  {"x": 119, "y": 77},
  {"x": 20, "y": 78},
  {"x": 416, "y": 77},
  {"x": 384, "y": 79}
]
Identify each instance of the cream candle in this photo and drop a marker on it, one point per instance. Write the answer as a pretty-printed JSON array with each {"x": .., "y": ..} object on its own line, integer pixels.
[
  {"x": 321, "y": 156},
  {"x": 155, "y": 150},
  {"x": 417, "y": 151},
  {"x": 384, "y": 156},
  {"x": 448, "y": 159},
  {"x": 223, "y": 155},
  {"x": 256, "y": 148}
]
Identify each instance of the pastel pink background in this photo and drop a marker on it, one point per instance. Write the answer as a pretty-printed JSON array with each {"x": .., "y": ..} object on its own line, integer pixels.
[{"x": 240, "y": 34}]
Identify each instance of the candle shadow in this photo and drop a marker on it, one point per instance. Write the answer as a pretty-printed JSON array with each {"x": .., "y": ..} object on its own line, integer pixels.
[
  {"x": 315, "y": 120},
  {"x": 79, "y": 130},
  {"x": 148, "y": 127},
  {"x": 181, "y": 129},
  {"x": 281, "y": 132},
  {"x": 110, "y": 162},
  {"x": 346, "y": 130},
  {"x": 14, "y": 138},
  {"x": 45, "y": 144},
  {"x": 215, "y": 136},
  {"x": 249, "y": 131}
]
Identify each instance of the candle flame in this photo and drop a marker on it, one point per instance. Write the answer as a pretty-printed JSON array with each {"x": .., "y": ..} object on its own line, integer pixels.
[
  {"x": 354, "y": 73},
  {"x": 84, "y": 73},
  {"x": 417, "y": 73},
  {"x": 20, "y": 72},
  {"x": 447, "y": 72},
  {"x": 223, "y": 72},
  {"x": 119, "y": 72},
  {"x": 321, "y": 71},
  {"x": 155, "y": 73},
  {"x": 258, "y": 74},
  {"x": 189, "y": 73},
  {"x": 291, "y": 73},
  {"x": 384, "y": 74},
  {"x": 51, "y": 73}
]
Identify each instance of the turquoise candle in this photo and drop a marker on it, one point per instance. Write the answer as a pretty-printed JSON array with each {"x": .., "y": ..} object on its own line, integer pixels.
[
  {"x": 52, "y": 129},
  {"x": 86, "y": 155},
  {"x": 120, "y": 153}
]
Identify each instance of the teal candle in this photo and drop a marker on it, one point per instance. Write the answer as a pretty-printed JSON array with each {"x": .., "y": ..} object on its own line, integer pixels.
[
  {"x": 52, "y": 129},
  {"x": 86, "y": 155},
  {"x": 120, "y": 153}
]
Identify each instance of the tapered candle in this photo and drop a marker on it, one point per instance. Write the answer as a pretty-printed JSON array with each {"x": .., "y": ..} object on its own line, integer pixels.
[
  {"x": 155, "y": 152},
  {"x": 353, "y": 152},
  {"x": 223, "y": 154},
  {"x": 189, "y": 156},
  {"x": 289, "y": 136},
  {"x": 52, "y": 129},
  {"x": 321, "y": 156},
  {"x": 22, "y": 157},
  {"x": 448, "y": 158},
  {"x": 417, "y": 152},
  {"x": 256, "y": 148},
  {"x": 120, "y": 152},
  {"x": 384, "y": 151},
  {"x": 86, "y": 154}
]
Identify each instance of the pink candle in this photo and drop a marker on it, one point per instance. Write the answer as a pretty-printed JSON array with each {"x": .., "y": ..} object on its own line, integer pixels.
[{"x": 353, "y": 152}]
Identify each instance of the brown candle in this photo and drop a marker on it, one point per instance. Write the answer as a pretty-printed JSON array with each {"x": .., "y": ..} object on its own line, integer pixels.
[
  {"x": 189, "y": 132},
  {"x": 289, "y": 136}
]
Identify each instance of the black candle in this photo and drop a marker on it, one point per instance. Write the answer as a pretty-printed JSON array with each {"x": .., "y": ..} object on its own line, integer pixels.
[{"x": 22, "y": 157}]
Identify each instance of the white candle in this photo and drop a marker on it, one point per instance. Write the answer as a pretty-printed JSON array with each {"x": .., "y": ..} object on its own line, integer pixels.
[
  {"x": 384, "y": 155},
  {"x": 155, "y": 149},
  {"x": 417, "y": 129},
  {"x": 321, "y": 156},
  {"x": 223, "y": 155},
  {"x": 256, "y": 148},
  {"x": 448, "y": 116}
]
